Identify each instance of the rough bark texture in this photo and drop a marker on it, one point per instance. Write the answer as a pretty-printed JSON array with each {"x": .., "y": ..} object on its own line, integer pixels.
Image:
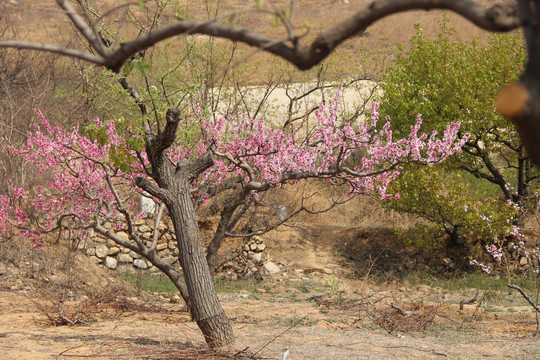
[
  {"x": 205, "y": 306},
  {"x": 174, "y": 190}
]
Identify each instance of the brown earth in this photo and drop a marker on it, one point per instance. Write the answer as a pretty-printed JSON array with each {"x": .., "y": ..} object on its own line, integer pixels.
[
  {"x": 267, "y": 323},
  {"x": 316, "y": 316}
]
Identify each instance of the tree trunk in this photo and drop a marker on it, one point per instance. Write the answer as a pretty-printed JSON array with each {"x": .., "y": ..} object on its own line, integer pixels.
[
  {"x": 205, "y": 307},
  {"x": 174, "y": 183}
]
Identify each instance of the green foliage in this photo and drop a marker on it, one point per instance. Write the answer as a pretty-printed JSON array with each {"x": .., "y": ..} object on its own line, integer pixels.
[
  {"x": 477, "y": 280},
  {"x": 151, "y": 282},
  {"x": 448, "y": 80},
  {"x": 455, "y": 205}
]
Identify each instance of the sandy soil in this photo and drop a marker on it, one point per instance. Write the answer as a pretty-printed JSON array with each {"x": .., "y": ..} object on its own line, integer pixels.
[
  {"x": 262, "y": 322},
  {"x": 319, "y": 316}
]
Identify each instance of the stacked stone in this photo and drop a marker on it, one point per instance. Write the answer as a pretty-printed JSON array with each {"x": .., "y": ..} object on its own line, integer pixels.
[
  {"x": 521, "y": 260},
  {"x": 107, "y": 252},
  {"x": 253, "y": 249},
  {"x": 249, "y": 261}
]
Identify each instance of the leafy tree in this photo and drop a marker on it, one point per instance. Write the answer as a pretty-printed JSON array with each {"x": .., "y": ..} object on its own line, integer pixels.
[
  {"x": 450, "y": 79},
  {"x": 454, "y": 207}
]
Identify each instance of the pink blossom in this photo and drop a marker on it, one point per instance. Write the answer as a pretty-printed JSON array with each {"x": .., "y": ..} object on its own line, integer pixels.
[{"x": 244, "y": 148}]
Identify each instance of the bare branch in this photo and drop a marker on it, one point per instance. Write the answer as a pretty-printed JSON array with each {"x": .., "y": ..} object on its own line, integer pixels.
[
  {"x": 155, "y": 236},
  {"x": 83, "y": 27},
  {"x": 497, "y": 18},
  {"x": 29, "y": 45},
  {"x": 512, "y": 286}
]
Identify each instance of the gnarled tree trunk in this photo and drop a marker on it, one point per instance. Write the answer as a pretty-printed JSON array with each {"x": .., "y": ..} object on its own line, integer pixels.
[{"x": 174, "y": 190}]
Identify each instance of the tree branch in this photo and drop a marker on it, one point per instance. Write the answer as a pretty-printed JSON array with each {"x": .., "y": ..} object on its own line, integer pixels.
[
  {"x": 82, "y": 26},
  {"x": 192, "y": 169},
  {"x": 152, "y": 189},
  {"x": 73, "y": 53},
  {"x": 497, "y": 18},
  {"x": 512, "y": 286}
]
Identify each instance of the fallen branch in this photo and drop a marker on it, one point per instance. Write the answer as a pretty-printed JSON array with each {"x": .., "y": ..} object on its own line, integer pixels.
[{"x": 470, "y": 301}]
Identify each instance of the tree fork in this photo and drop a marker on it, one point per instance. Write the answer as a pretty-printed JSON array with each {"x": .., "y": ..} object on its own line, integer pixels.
[{"x": 173, "y": 188}]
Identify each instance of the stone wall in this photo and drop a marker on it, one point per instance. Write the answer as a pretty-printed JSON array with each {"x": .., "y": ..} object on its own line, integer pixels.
[
  {"x": 249, "y": 259},
  {"x": 106, "y": 252}
]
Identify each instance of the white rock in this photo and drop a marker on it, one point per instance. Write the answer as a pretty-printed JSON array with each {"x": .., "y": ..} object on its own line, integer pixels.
[
  {"x": 95, "y": 259},
  {"x": 260, "y": 247},
  {"x": 257, "y": 257},
  {"x": 124, "y": 258},
  {"x": 169, "y": 260},
  {"x": 270, "y": 268},
  {"x": 161, "y": 246},
  {"x": 110, "y": 262},
  {"x": 81, "y": 245},
  {"x": 282, "y": 213},
  {"x": 101, "y": 251},
  {"x": 140, "y": 263},
  {"x": 134, "y": 255},
  {"x": 147, "y": 204},
  {"x": 91, "y": 251},
  {"x": 145, "y": 228},
  {"x": 113, "y": 251},
  {"x": 122, "y": 235}
]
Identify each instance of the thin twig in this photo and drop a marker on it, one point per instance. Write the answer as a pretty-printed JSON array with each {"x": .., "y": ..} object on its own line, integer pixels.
[
  {"x": 470, "y": 301},
  {"x": 279, "y": 335}
]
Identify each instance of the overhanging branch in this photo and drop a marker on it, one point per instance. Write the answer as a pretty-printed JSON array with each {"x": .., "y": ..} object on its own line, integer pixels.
[
  {"x": 73, "y": 53},
  {"x": 497, "y": 18}
]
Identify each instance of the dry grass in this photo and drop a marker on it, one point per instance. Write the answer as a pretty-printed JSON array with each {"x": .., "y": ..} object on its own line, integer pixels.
[
  {"x": 110, "y": 302},
  {"x": 158, "y": 351}
]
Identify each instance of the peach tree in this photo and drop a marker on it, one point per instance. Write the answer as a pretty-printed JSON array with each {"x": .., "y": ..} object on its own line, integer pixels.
[{"x": 94, "y": 180}]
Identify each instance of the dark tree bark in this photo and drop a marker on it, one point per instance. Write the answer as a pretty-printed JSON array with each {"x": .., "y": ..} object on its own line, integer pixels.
[{"x": 174, "y": 183}]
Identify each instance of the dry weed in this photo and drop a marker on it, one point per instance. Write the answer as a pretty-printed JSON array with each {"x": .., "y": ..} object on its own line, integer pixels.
[{"x": 61, "y": 312}]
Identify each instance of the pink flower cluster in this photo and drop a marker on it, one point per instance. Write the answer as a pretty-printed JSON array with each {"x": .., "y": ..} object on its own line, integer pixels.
[
  {"x": 82, "y": 174},
  {"x": 77, "y": 168},
  {"x": 252, "y": 149}
]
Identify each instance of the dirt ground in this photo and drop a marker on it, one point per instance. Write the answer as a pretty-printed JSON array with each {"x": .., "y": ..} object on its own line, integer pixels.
[
  {"x": 315, "y": 316},
  {"x": 266, "y": 323}
]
